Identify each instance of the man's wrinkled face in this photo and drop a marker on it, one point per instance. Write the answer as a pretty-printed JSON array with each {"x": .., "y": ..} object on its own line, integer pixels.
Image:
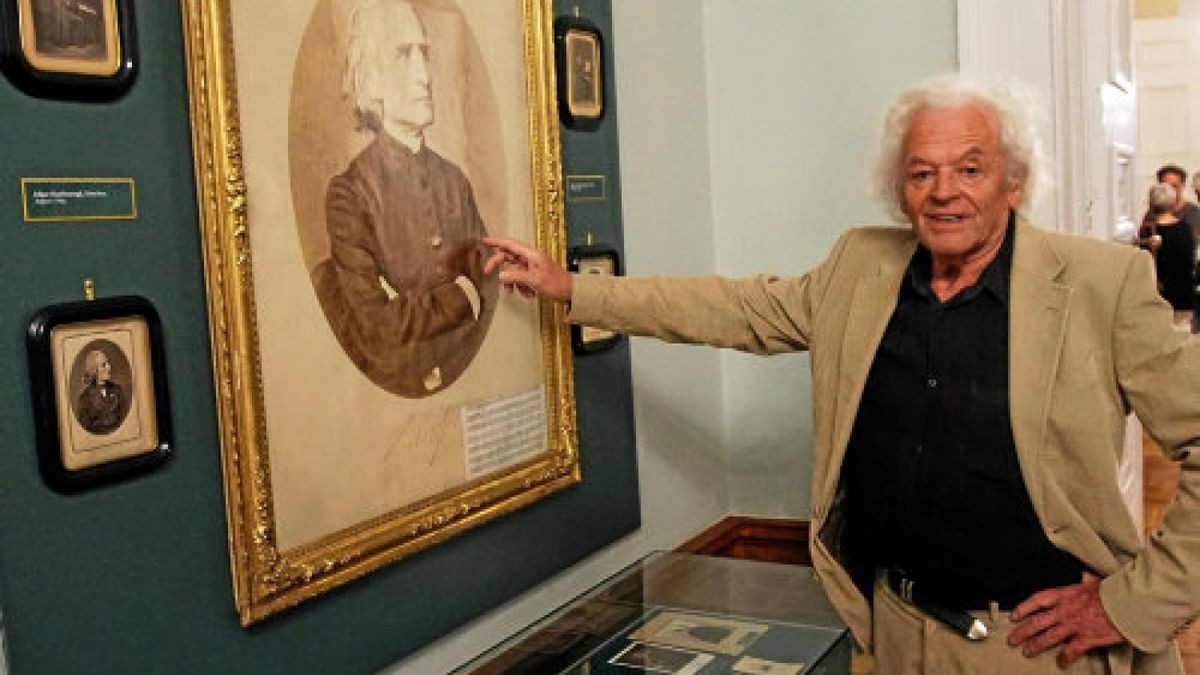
[
  {"x": 404, "y": 70},
  {"x": 956, "y": 191}
]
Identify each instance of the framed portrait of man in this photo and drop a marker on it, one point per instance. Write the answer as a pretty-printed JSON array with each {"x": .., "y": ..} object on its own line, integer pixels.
[
  {"x": 76, "y": 49},
  {"x": 98, "y": 379},
  {"x": 580, "y": 62},
  {"x": 375, "y": 392}
]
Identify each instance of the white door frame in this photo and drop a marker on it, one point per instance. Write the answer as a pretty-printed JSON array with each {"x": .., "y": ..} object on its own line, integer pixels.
[{"x": 1063, "y": 51}]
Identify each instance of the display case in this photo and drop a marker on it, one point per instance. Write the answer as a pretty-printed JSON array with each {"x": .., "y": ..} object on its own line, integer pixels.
[{"x": 684, "y": 614}]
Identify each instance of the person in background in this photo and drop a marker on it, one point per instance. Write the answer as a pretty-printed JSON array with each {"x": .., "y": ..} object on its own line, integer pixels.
[
  {"x": 1176, "y": 177},
  {"x": 971, "y": 377},
  {"x": 1173, "y": 245}
]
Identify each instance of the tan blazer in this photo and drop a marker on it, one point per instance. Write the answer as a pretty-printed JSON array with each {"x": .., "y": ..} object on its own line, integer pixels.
[{"x": 1090, "y": 341}]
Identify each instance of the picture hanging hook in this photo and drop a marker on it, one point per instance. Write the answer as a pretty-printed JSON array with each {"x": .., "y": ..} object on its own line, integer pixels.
[{"x": 89, "y": 289}]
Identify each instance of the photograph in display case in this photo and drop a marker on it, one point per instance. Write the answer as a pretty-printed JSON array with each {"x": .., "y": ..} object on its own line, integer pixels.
[
  {"x": 98, "y": 381},
  {"x": 646, "y": 658},
  {"x": 343, "y": 209},
  {"x": 696, "y": 631},
  {"x": 74, "y": 49}
]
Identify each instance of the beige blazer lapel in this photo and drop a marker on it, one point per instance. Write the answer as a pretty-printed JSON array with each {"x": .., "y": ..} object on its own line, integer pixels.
[
  {"x": 1038, "y": 311},
  {"x": 871, "y": 307}
]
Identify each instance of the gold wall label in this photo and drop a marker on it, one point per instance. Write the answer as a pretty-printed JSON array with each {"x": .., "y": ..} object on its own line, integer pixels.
[
  {"x": 587, "y": 188},
  {"x": 49, "y": 200}
]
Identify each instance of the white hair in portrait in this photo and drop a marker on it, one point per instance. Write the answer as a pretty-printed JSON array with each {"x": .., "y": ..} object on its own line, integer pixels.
[
  {"x": 1016, "y": 112},
  {"x": 367, "y": 33}
]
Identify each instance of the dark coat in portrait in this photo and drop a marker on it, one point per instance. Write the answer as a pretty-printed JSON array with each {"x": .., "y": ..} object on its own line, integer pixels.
[
  {"x": 402, "y": 227},
  {"x": 102, "y": 407}
]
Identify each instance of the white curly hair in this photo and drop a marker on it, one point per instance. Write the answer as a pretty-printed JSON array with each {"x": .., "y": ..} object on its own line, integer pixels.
[{"x": 1016, "y": 112}]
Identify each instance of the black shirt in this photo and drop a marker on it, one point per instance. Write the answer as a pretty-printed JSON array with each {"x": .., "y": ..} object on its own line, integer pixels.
[
  {"x": 1175, "y": 263},
  {"x": 933, "y": 486}
]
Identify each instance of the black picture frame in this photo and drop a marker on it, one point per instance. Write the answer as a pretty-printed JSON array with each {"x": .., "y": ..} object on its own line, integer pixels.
[
  {"x": 597, "y": 259},
  {"x": 579, "y": 66},
  {"x": 118, "y": 423},
  {"x": 82, "y": 50}
]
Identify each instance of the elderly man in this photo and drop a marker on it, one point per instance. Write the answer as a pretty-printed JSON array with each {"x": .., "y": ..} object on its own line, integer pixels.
[
  {"x": 971, "y": 378},
  {"x": 1189, "y": 213},
  {"x": 403, "y": 288},
  {"x": 102, "y": 404}
]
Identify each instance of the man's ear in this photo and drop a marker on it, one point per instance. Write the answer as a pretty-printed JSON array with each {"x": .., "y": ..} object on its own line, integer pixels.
[{"x": 1016, "y": 192}]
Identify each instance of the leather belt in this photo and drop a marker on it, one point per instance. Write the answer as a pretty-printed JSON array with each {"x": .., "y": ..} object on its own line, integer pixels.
[{"x": 918, "y": 595}]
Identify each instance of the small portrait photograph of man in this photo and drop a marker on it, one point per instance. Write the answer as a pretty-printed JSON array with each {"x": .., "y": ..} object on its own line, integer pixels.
[
  {"x": 103, "y": 400},
  {"x": 400, "y": 142},
  {"x": 104, "y": 391},
  {"x": 71, "y": 36},
  {"x": 583, "y": 59},
  {"x": 641, "y": 657},
  {"x": 70, "y": 28}
]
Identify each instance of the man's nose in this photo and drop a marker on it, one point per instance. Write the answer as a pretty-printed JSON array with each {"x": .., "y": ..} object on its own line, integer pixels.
[
  {"x": 419, "y": 67},
  {"x": 945, "y": 184}
]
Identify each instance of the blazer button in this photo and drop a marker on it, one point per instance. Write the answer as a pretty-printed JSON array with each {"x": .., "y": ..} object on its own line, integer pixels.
[{"x": 435, "y": 241}]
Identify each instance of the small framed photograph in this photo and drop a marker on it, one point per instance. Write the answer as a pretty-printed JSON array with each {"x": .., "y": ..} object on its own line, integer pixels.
[
  {"x": 657, "y": 659},
  {"x": 593, "y": 259},
  {"x": 695, "y": 631},
  {"x": 70, "y": 49},
  {"x": 579, "y": 53},
  {"x": 98, "y": 380}
]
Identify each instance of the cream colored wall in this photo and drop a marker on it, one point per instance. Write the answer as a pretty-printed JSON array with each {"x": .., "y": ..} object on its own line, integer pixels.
[{"x": 796, "y": 93}]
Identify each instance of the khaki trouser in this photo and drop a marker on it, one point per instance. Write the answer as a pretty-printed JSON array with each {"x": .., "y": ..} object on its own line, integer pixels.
[{"x": 910, "y": 642}]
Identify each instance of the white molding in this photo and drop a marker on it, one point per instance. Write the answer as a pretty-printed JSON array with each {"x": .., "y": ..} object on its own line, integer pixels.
[
  {"x": 971, "y": 35},
  {"x": 1021, "y": 39}
]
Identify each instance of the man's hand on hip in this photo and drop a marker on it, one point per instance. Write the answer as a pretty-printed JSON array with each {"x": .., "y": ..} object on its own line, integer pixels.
[
  {"x": 1071, "y": 617},
  {"x": 527, "y": 270}
]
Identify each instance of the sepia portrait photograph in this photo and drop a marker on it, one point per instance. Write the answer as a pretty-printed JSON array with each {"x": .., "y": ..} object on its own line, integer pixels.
[
  {"x": 584, "y": 77},
  {"x": 98, "y": 387},
  {"x": 645, "y": 658},
  {"x": 404, "y": 133},
  {"x": 105, "y": 391},
  {"x": 71, "y": 36},
  {"x": 694, "y": 631}
]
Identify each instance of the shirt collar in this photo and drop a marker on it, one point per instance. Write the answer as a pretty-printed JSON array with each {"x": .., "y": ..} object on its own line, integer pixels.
[
  {"x": 995, "y": 276},
  {"x": 405, "y": 144}
]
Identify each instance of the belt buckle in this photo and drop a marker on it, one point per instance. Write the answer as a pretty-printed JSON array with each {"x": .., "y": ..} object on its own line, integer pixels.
[{"x": 960, "y": 621}]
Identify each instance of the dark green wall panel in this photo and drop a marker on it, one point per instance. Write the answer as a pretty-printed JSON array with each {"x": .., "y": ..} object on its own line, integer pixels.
[{"x": 135, "y": 577}]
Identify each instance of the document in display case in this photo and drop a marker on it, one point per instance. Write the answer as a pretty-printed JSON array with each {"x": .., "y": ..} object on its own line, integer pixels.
[{"x": 684, "y": 614}]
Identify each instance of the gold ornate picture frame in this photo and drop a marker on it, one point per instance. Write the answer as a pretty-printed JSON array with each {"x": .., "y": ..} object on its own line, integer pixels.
[{"x": 375, "y": 395}]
